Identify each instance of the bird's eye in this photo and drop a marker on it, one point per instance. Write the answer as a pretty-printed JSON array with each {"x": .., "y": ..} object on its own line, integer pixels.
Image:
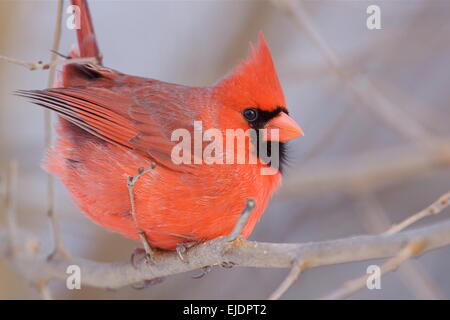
[{"x": 250, "y": 114}]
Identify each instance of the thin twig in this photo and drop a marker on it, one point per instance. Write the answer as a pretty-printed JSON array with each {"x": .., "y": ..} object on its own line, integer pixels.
[
  {"x": 3, "y": 187},
  {"x": 354, "y": 285},
  {"x": 297, "y": 268},
  {"x": 234, "y": 234},
  {"x": 364, "y": 90},
  {"x": 435, "y": 208},
  {"x": 375, "y": 170},
  {"x": 329, "y": 136},
  {"x": 44, "y": 290},
  {"x": 130, "y": 185},
  {"x": 242, "y": 221},
  {"x": 411, "y": 272},
  {"x": 11, "y": 206},
  {"x": 40, "y": 65},
  {"x": 54, "y": 219}
]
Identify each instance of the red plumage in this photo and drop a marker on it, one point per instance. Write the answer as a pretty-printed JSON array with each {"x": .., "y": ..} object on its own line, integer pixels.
[{"x": 110, "y": 124}]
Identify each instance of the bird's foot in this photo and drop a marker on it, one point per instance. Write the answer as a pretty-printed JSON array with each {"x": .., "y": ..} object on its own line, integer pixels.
[
  {"x": 149, "y": 254},
  {"x": 140, "y": 254},
  {"x": 182, "y": 249},
  {"x": 227, "y": 264}
]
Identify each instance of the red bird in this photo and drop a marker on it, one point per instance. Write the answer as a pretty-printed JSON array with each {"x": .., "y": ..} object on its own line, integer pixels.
[{"x": 111, "y": 124}]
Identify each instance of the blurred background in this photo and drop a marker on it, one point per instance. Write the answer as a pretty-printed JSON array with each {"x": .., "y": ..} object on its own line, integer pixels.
[{"x": 374, "y": 104}]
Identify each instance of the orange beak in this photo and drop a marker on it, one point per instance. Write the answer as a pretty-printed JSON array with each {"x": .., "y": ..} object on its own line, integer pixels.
[{"x": 287, "y": 128}]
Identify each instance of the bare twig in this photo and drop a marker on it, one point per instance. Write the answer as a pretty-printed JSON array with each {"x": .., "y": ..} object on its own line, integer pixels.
[
  {"x": 234, "y": 234},
  {"x": 328, "y": 137},
  {"x": 242, "y": 221},
  {"x": 297, "y": 268},
  {"x": 3, "y": 188},
  {"x": 411, "y": 272},
  {"x": 414, "y": 276},
  {"x": 130, "y": 185},
  {"x": 435, "y": 208},
  {"x": 44, "y": 290},
  {"x": 54, "y": 221},
  {"x": 40, "y": 65},
  {"x": 352, "y": 286},
  {"x": 374, "y": 170},
  {"x": 11, "y": 206},
  {"x": 365, "y": 91}
]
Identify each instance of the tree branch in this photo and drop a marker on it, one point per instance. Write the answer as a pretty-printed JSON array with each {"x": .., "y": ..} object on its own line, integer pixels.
[
  {"x": 410, "y": 272},
  {"x": 354, "y": 285},
  {"x": 54, "y": 219},
  {"x": 296, "y": 269},
  {"x": 11, "y": 205},
  {"x": 364, "y": 90},
  {"x": 39, "y": 65},
  {"x": 435, "y": 208},
  {"x": 241, "y": 252},
  {"x": 372, "y": 170}
]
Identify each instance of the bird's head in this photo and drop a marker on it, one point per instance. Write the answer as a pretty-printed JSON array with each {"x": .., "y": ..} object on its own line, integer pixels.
[{"x": 253, "y": 96}]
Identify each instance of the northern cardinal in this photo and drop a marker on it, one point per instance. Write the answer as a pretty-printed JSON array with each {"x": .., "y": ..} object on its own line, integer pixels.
[{"x": 111, "y": 124}]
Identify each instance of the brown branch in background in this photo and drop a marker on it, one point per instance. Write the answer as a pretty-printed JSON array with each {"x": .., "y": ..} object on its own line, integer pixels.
[
  {"x": 54, "y": 220},
  {"x": 411, "y": 272},
  {"x": 391, "y": 43},
  {"x": 43, "y": 289},
  {"x": 242, "y": 253},
  {"x": 347, "y": 177},
  {"x": 29, "y": 65},
  {"x": 364, "y": 90},
  {"x": 3, "y": 188},
  {"x": 435, "y": 208},
  {"x": 329, "y": 136},
  {"x": 296, "y": 269},
  {"x": 39, "y": 65},
  {"x": 412, "y": 249},
  {"x": 374, "y": 170},
  {"x": 11, "y": 206}
]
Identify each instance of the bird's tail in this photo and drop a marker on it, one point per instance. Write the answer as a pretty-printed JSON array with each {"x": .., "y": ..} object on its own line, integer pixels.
[{"x": 87, "y": 43}]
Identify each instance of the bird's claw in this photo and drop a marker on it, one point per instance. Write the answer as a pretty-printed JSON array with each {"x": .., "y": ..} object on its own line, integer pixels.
[
  {"x": 148, "y": 258},
  {"x": 182, "y": 248},
  {"x": 227, "y": 264}
]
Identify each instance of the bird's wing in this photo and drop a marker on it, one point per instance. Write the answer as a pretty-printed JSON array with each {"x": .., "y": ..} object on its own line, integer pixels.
[{"x": 141, "y": 117}]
